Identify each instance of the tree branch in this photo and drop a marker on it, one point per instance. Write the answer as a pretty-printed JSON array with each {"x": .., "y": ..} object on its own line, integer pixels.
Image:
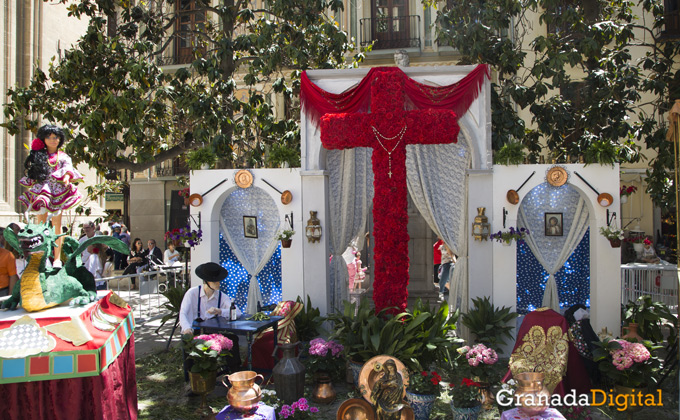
[{"x": 121, "y": 163}]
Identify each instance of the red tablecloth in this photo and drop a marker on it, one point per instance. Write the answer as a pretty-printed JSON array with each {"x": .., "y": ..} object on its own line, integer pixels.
[
  {"x": 106, "y": 388},
  {"x": 112, "y": 395}
]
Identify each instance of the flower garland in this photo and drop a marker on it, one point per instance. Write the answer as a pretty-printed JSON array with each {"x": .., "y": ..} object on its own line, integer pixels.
[{"x": 387, "y": 129}]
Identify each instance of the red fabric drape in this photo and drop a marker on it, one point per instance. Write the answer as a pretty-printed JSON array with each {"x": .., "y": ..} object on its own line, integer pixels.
[
  {"x": 576, "y": 376},
  {"x": 457, "y": 97},
  {"x": 110, "y": 396}
]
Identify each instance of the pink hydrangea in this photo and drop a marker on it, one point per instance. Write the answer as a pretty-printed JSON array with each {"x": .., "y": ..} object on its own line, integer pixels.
[
  {"x": 321, "y": 347},
  {"x": 479, "y": 354},
  {"x": 217, "y": 342},
  {"x": 628, "y": 354}
]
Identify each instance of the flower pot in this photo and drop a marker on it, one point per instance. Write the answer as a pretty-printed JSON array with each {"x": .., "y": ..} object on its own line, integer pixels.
[
  {"x": 487, "y": 396},
  {"x": 202, "y": 383},
  {"x": 285, "y": 243},
  {"x": 631, "y": 393},
  {"x": 421, "y": 404},
  {"x": 186, "y": 201},
  {"x": 323, "y": 391},
  {"x": 466, "y": 413},
  {"x": 624, "y": 199},
  {"x": 506, "y": 243},
  {"x": 615, "y": 243},
  {"x": 638, "y": 248},
  {"x": 355, "y": 368},
  {"x": 289, "y": 375},
  {"x": 631, "y": 332}
]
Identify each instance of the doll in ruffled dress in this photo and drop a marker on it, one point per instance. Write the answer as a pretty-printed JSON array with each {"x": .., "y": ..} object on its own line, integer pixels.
[
  {"x": 50, "y": 179},
  {"x": 359, "y": 273}
]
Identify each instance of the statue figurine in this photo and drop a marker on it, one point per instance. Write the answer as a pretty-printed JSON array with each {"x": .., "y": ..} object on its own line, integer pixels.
[{"x": 387, "y": 393}]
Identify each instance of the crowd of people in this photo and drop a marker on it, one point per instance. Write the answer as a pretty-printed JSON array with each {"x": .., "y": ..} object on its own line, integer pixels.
[{"x": 99, "y": 259}]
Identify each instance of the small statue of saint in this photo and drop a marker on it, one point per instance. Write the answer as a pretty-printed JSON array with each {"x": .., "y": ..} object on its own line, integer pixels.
[{"x": 387, "y": 393}]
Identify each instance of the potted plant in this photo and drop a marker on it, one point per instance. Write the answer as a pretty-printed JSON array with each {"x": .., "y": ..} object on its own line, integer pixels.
[
  {"x": 488, "y": 323},
  {"x": 638, "y": 242},
  {"x": 422, "y": 391},
  {"x": 202, "y": 158},
  {"x": 628, "y": 365},
  {"x": 626, "y": 192},
  {"x": 184, "y": 193},
  {"x": 299, "y": 410},
  {"x": 480, "y": 361},
  {"x": 307, "y": 321},
  {"x": 185, "y": 234},
  {"x": 512, "y": 153},
  {"x": 205, "y": 353},
  {"x": 326, "y": 363},
  {"x": 465, "y": 396},
  {"x": 285, "y": 236},
  {"x": 512, "y": 234},
  {"x": 613, "y": 234},
  {"x": 648, "y": 318}
]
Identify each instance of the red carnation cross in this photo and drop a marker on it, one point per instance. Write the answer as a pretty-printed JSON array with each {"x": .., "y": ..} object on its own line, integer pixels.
[{"x": 388, "y": 129}]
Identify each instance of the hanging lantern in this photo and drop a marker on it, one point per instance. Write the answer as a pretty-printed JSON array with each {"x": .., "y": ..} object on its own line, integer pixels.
[
  {"x": 313, "y": 228},
  {"x": 480, "y": 227}
]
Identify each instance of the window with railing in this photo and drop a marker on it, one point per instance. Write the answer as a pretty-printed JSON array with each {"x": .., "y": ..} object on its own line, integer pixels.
[
  {"x": 390, "y": 32},
  {"x": 190, "y": 21},
  {"x": 671, "y": 19}
]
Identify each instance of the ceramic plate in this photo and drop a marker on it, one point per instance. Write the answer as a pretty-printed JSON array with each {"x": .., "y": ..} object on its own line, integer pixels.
[
  {"x": 370, "y": 373},
  {"x": 355, "y": 409}
]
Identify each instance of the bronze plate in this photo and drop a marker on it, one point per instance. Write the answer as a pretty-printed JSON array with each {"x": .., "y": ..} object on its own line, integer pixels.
[
  {"x": 557, "y": 176},
  {"x": 368, "y": 375},
  {"x": 243, "y": 178},
  {"x": 286, "y": 197},
  {"x": 355, "y": 409}
]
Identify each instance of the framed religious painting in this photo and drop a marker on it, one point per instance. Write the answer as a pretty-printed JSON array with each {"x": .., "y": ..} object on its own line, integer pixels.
[
  {"x": 553, "y": 224},
  {"x": 250, "y": 227}
]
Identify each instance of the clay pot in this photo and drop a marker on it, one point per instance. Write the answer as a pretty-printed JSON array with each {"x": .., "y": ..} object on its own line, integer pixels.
[
  {"x": 615, "y": 243},
  {"x": 244, "y": 393},
  {"x": 286, "y": 243},
  {"x": 532, "y": 396},
  {"x": 631, "y": 332}
]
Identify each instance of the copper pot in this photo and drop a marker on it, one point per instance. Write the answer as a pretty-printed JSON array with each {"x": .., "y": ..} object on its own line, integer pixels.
[
  {"x": 323, "y": 391},
  {"x": 532, "y": 396},
  {"x": 244, "y": 393},
  {"x": 202, "y": 383}
]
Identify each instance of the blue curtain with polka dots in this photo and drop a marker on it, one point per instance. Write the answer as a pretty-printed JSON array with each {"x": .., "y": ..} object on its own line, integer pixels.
[
  {"x": 236, "y": 284},
  {"x": 573, "y": 279}
]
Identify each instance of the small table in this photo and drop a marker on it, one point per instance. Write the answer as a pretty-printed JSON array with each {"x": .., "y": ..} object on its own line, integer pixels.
[
  {"x": 515, "y": 414},
  {"x": 263, "y": 412},
  {"x": 241, "y": 326}
]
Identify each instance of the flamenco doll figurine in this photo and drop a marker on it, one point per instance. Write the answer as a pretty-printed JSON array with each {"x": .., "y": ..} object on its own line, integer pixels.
[{"x": 50, "y": 179}]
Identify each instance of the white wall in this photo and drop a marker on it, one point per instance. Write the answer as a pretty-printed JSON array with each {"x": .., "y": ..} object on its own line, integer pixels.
[
  {"x": 209, "y": 210},
  {"x": 605, "y": 272}
]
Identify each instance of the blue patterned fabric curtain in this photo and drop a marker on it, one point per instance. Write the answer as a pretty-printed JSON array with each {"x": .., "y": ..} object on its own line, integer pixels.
[
  {"x": 573, "y": 279},
  {"x": 236, "y": 285}
]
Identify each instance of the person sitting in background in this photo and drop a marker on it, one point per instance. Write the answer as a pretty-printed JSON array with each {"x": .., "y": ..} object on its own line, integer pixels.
[
  {"x": 153, "y": 253},
  {"x": 136, "y": 260},
  {"x": 648, "y": 254},
  {"x": 171, "y": 255}
]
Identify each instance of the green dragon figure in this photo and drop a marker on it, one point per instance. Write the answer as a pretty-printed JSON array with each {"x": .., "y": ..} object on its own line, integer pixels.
[{"x": 41, "y": 288}]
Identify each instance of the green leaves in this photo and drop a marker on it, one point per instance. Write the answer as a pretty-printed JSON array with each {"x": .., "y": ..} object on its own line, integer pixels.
[{"x": 489, "y": 323}]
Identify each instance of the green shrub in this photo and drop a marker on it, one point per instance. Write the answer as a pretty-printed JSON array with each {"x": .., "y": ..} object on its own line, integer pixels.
[{"x": 488, "y": 323}]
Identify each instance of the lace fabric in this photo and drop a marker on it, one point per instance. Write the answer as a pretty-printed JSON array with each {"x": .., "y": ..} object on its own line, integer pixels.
[{"x": 253, "y": 253}]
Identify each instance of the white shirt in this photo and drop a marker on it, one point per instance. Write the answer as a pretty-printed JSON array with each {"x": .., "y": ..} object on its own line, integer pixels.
[
  {"x": 167, "y": 255},
  {"x": 91, "y": 261},
  {"x": 188, "y": 310}
]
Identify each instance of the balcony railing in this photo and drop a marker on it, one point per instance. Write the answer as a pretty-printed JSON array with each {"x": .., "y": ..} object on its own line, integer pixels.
[
  {"x": 171, "y": 170},
  {"x": 390, "y": 33}
]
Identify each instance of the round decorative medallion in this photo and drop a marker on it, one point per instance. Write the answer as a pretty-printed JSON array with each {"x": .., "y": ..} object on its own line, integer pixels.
[
  {"x": 286, "y": 197},
  {"x": 373, "y": 370},
  {"x": 557, "y": 176},
  {"x": 243, "y": 178}
]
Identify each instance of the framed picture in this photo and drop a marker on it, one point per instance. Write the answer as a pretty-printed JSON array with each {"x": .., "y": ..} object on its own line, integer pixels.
[
  {"x": 553, "y": 224},
  {"x": 250, "y": 226}
]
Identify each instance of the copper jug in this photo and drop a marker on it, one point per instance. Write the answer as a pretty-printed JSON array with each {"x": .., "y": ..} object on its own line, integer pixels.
[
  {"x": 532, "y": 396},
  {"x": 244, "y": 393}
]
